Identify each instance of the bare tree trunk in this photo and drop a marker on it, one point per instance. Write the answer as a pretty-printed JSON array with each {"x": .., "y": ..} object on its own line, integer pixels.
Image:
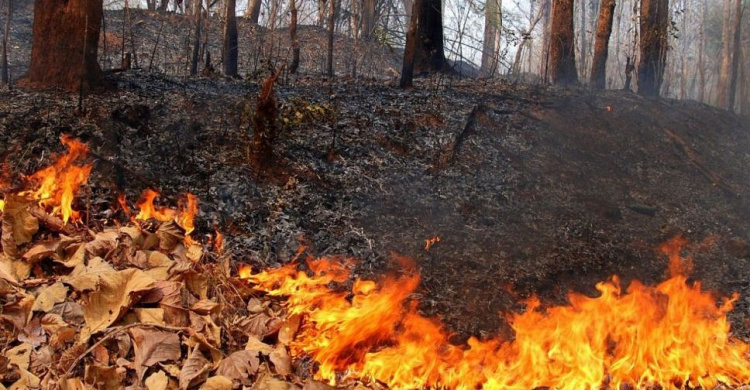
[
  {"x": 410, "y": 51},
  {"x": 546, "y": 6},
  {"x": 252, "y": 12},
  {"x": 355, "y": 21},
  {"x": 429, "y": 55},
  {"x": 601, "y": 49},
  {"x": 197, "y": 12},
  {"x": 163, "y": 4},
  {"x": 293, "y": 36},
  {"x": 654, "y": 22},
  {"x": 582, "y": 28},
  {"x": 230, "y": 49},
  {"x": 4, "y": 71},
  {"x": 701, "y": 54},
  {"x": 492, "y": 25},
  {"x": 57, "y": 55},
  {"x": 331, "y": 28},
  {"x": 369, "y": 18},
  {"x": 684, "y": 53},
  {"x": 726, "y": 55},
  {"x": 562, "y": 55},
  {"x": 322, "y": 12},
  {"x": 408, "y": 7},
  {"x": 734, "y": 70}
]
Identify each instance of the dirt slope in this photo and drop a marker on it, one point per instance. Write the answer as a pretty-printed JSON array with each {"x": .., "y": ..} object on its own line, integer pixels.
[{"x": 531, "y": 189}]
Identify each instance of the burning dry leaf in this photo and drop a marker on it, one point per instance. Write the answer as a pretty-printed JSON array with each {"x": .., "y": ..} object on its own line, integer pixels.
[
  {"x": 195, "y": 370},
  {"x": 117, "y": 291},
  {"x": 289, "y": 329},
  {"x": 104, "y": 378},
  {"x": 217, "y": 383},
  {"x": 157, "y": 381},
  {"x": 49, "y": 296},
  {"x": 240, "y": 367},
  {"x": 281, "y": 360},
  {"x": 152, "y": 347}
]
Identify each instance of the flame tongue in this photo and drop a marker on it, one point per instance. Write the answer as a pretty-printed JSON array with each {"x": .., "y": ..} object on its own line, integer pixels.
[
  {"x": 667, "y": 335},
  {"x": 58, "y": 184}
]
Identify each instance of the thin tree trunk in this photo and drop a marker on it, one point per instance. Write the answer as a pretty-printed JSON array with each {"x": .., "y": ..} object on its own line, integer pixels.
[
  {"x": 331, "y": 28},
  {"x": 734, "y": 70},
  {"x": 196, "y": 38},
  {"x": 726, "y": 55},
  {"x": 322, "y": 12},
  {"x": 562, "y": 55},
  {"x": 230, "y": 50},
  {"x": 4, "y": 68},
  {"x": 293, "y": 36},
  {"x": 410, "y": 51},
  {"x": 547, "y": 5},
  {"x": 355, "y": 21},
  {"x": 57, "y": 58},
  {"x": 684, "y": 53},
  {"x": 601, "y": 48},
  {"x": 701, "y": 54},
  {"x": 492, "y": 22},
  {"x": 582, "y": 28},
  {"x": 654, "y": 22},
  {"x": 252, "y": 12}
]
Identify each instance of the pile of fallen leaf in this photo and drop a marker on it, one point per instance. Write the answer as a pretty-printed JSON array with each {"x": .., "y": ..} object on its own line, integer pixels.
[{"x": 131, "y": 307}]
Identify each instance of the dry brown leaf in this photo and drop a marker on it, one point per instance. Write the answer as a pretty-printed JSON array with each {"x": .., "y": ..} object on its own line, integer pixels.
[
  {"x": 27, "y": 381},
  {"x": 41, "y": 250},
  {"x": 18, "y": 225},
  {"x": 117, "y": 291},
  {"x": 154, "y": 316},
  {"x": 33, "y": 333},
  {"x": 157, "y": 381},
  {"x": 41, "y": 360},
  {"x": 260, "y": 325},
  {"x": 103, "y": 243},
  {"x": 18, "y": 311},
  {"x": 205, "y": 325},
  {"x": 71, "y": 312},
  {"x": 20, "y": 355},
  {"x": 239, "y": 367},
  {"x": 199, "y": 340},
  {"x": 170, "y": 234},
  {"x": 72, "y": 384},
  {"x": 86, "y": 277},
  {"x": 281, "y": 360},
  {"x": 254, "y": 344},
  {"x": 173, "y": 303},
  {"x": 104, "y": 378},
  {"x": 158, "y": 265},
  {"x": 205, "y": 306},
  {"x": 7, "y": 274},
  {"x": 312, "y": 384},
  {"x": 268, "y": 382},
  {"x": 217, "y": 383},
  {"x": 195, "y": 370},
  {"x": 254, "y": 305},
  {"x": 152, "y": 347},
  {"x": 49, "y": 296},
  {"x": 196, "y": 283},
  {"x": 193, "y": 253},
  {"x": 100, "y": 355}
]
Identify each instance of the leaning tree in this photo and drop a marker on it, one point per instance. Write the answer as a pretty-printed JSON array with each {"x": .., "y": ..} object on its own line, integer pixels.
[{"x": 65, "y": 42}]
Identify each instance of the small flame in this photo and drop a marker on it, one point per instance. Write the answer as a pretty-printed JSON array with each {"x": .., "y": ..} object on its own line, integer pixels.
[
  {"x": 641, "y": 336},
  {"x": 58, "y": 184},
  {"x": 147, "y": 209},
  {"x": 186, "y": 217},
  {"x": 123, "y": 204},
  {"x": 219, "y": 243},
  {"x": 428, "y": 243}
]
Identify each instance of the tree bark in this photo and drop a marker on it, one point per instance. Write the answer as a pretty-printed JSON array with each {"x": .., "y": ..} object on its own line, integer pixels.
[
  {"x": 230, "y": 49},
  {"x": 726, "y": 55},
  {"x": 197, "y": 12},
  {"x": 62, "y": 29},
  {"x": 4, "y": 71},
  {"x": 293, "y": 36},
  {"x": 653, "y": 26},
  {"x": 331, "y": 30},
  {"x": 601, "y": 47},
  {"x": 407, "y": 70},
  {"x": 493, "y": 19},
  {"x": 252, "y": 12},
  {"x": 562, "y": 57},
  {"x": 584, "y": 44},
  {"x": 546, "y": 6},
  {"x": 701, "y": 54},
  {"x": 369, "y": 17},
  {"x": 429, "y": 53},
  {"x": 734, "y": 69}
]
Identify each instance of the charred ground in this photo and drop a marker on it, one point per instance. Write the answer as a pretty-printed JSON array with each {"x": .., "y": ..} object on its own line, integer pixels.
[{"x": 532, "y": 190}]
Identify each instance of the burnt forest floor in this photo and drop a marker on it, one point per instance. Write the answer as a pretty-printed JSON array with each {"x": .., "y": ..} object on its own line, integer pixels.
[{"x": 532, "y": 190}]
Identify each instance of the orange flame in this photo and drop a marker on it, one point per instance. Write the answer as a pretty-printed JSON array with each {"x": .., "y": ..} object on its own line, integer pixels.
[
  {"x": 147, "y": 210},
  {"x": 428, "y": 243},
  {"x": 186, "y": 217},
  {"x": 669, "y": 335},
  {"x": 58, "y": 184}
]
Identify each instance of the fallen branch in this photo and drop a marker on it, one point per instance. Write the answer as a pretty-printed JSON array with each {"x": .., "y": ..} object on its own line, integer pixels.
[{"x": 50, "y": 221}]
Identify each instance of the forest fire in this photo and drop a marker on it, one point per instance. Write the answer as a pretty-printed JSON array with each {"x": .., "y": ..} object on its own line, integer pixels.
[
  {"x": 672, "y": 334},
  {"x": 58, "y": 184}
]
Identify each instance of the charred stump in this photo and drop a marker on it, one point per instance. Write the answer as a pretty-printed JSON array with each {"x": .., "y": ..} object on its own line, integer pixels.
[
  {"x": 64, "y": 45},
  {"x": 264, "y": 125}
]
